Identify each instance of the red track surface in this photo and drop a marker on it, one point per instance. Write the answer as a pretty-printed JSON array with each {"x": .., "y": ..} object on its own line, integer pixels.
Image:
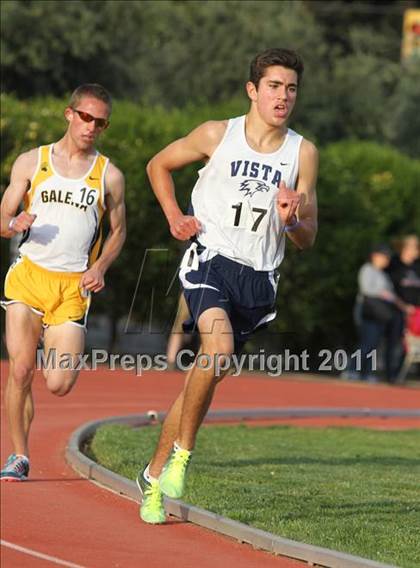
[{"x": 71, "y": 520}]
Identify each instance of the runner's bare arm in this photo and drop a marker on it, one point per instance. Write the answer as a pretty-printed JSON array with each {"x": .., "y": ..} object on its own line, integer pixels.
[
  {"x": 20, "y": 179},
  {"x": 197, "y": 145},
  {"x": 304, "y": 203},
  {"x": 93, "y": 279}
]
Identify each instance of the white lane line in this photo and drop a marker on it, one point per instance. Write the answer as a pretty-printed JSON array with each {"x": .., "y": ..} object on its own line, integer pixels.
[{"x": 39, "y": 554}]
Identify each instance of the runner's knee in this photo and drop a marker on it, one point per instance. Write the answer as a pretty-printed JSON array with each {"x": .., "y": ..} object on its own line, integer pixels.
[
  {"x": 59, "y": 385},
  {"x": 21, "y": 374},
  {"x": 216, "y": 357},
  {"x": 218, "y": 347},
  {"x": 59, "y": 389}
]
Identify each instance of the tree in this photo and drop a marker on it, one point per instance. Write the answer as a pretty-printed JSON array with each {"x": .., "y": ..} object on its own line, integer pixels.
[
  {"x": 75, "y": 42},
  {"x": 174, "y": 53},
  {"x": 405, "y": 120}
]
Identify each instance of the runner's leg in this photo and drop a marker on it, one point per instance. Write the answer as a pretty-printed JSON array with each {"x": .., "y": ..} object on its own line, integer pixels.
[
  {"x": 23, "y": 328},
  {"x": 170, "y": 429},
  {"x": 192, "y": 404},
  {"x": 66, "y": 341}
]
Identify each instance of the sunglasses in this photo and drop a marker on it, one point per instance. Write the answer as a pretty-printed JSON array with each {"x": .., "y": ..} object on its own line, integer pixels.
[{"x": 101, "y": 123}]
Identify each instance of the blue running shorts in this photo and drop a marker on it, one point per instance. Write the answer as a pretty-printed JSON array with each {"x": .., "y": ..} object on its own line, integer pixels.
[{"x": 210, "y": 280}]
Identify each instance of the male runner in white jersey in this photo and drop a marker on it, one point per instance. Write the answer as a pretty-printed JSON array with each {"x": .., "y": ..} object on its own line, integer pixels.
[
  {"x": 257, "y": 186},
  {"x": 66, "y": 187}
]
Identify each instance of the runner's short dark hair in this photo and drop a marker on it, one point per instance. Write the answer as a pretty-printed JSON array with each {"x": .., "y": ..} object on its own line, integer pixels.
[{"x": 275, "y": 56}]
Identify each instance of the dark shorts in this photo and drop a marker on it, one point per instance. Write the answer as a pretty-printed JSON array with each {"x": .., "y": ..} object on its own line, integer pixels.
[{"x": 247, "y": 295}]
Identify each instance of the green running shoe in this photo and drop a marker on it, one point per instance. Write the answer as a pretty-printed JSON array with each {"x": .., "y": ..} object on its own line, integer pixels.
[
  {"x": 172, "y": 478},
  {"x": 151, "y": 509}
]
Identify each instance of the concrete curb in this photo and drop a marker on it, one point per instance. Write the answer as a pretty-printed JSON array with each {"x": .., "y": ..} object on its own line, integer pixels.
[{"x": 257, "y": 538}]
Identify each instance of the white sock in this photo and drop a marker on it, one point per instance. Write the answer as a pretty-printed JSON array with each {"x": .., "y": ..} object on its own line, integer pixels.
[
  {"x": 147, "y": 475},
  {"x": 22, "y": 456},
  {"x": 177, "y": 447}
]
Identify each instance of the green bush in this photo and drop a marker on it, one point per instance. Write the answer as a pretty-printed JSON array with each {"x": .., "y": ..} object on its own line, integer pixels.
[{"x": 367, "y": 193}]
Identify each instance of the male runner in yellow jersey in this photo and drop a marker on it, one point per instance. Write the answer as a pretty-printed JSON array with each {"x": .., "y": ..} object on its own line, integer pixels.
[{"x": 66, "y": 187}]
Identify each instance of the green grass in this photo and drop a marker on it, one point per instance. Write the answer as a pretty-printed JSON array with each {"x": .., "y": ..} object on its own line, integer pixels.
[{"x": 353, "y": 490}]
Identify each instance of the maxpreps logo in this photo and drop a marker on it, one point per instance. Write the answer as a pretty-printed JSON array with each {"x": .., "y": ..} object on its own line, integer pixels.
[{"x": 252, "y": 186}]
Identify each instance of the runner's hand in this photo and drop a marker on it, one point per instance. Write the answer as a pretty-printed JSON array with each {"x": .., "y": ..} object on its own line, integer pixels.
[
  {"x": 184, "y": 227},
  {"x": 287, "y": 203},
  {"x": 21, "y": 222},
  {"x": 92, "y": 280}
]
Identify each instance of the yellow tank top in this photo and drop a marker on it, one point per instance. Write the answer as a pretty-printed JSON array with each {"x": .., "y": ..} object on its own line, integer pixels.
[{"x": 66, "y": 234}]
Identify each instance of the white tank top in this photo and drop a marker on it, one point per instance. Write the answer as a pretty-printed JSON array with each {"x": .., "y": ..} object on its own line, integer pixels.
[
  {"x": 234, "y": 198},
  {"x": 66, "y": 234}
]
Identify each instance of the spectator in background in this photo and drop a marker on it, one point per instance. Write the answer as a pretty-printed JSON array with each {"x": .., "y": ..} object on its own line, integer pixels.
[
  {"x": 379, "y": 312},
  {"x": 404, "y": 271}
]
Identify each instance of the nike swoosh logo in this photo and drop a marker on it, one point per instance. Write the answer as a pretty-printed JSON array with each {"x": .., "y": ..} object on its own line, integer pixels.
[
  {"x": 284, "y": 163},
  {"x": 93, "y": 179}
]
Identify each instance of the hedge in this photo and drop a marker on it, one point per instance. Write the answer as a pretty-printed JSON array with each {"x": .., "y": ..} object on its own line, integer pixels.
[{"x": 367, "y": 193}]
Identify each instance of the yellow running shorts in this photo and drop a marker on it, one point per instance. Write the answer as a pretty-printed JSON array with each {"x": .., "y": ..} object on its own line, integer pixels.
[{"x": 56, "y": 296}]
